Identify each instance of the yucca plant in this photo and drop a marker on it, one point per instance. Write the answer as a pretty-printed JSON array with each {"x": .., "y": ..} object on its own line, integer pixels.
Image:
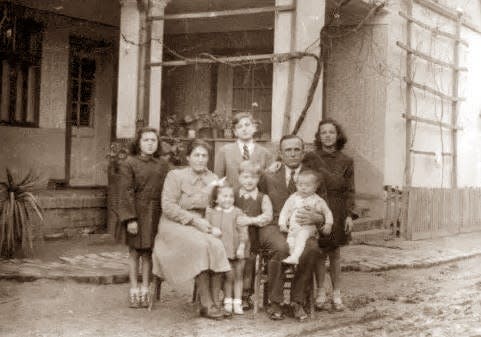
[{"x": 19, "y": 206}]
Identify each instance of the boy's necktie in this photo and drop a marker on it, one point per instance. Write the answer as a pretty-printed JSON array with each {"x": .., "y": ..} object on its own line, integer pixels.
[
  {"x": 245, "y": 152},
  {"x": 291, "y": 187}
]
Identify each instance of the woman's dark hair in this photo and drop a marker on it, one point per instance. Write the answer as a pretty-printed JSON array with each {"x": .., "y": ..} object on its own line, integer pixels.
[
  {"x": 197, "y": 143},
  {"x": 341, "y": 135},
  {"x": 215, "y": 192},
  {"x": 136, "y": 145}
]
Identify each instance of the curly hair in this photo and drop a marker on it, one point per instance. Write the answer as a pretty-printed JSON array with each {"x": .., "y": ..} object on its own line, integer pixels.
[
  {"x": 341, "y": 135},
  {"x": 136, "y": 146}
]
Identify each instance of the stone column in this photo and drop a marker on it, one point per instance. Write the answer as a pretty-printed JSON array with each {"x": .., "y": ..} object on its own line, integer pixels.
[
  {"x": 156, "y": 8},
  {"x": 128, "y": 68},
  {"x": 296, "y": 31}
]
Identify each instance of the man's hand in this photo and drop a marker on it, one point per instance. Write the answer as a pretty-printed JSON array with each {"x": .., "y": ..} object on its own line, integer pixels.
[
  {"x": 133, "y": 227},
  {"x": 309, "y": 216},
  {"x": 326, "y": 229},
  {"x": 274, "y": 167},
  {"x": 348, "y": 225}
]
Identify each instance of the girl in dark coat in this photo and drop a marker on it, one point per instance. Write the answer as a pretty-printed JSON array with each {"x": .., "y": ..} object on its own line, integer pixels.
[
  {"x": 337, "y": 169},
  {"x": 142, "y": 179}
]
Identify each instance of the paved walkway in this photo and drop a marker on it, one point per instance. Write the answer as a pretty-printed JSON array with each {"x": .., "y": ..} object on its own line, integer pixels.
[{"x": 111, "y": 267}]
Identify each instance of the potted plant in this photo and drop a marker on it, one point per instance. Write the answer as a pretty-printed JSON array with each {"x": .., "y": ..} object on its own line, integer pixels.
[{"x": 19, "y": 207}]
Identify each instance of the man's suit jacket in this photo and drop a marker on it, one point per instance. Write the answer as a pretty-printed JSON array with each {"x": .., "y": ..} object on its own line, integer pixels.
[
  {"x": 229, "y": 157},
  {"x": 274, "y": 185}
]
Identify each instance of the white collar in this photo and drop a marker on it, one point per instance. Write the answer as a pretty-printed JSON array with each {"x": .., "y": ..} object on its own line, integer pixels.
[
  {"x": 230, "y": 209},
  {"x": 288, "y": 173},
  {"x": 249, "y": 144},
  {"x": 248, "y": 194}
]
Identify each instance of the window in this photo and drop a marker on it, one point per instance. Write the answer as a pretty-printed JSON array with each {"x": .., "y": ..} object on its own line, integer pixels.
[
  {"x": 252, "y": 91},
  {"x": 82, "y": 82},
  {"x": 20, "y": 59}
]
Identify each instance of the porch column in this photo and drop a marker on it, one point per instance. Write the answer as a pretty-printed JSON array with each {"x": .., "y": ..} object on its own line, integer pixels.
[
  {"x": 128, "y": 68},
  {"x": 296, "y": 31},
  {"x": 156, "y": 8}
]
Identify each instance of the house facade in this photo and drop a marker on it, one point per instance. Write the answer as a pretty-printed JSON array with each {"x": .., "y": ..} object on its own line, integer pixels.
[{"x": 78, "y": 77}]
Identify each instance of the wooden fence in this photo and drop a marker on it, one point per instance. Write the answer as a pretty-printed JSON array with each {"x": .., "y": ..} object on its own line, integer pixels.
[{"x": 435, "y": 212}]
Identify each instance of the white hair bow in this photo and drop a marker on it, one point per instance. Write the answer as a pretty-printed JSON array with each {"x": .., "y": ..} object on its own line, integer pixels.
[{"x": 219, "y": 182}]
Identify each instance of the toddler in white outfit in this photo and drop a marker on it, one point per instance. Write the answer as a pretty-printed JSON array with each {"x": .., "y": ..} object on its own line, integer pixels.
[{"x": 305, "y": 197}]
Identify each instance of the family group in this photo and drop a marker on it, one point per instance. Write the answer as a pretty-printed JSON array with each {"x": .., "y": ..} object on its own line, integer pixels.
[{"x": 191, "y": 223}]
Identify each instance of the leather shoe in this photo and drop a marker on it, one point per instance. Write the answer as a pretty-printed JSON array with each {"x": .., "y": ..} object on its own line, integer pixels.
[
  {"x": 212, "y": 313},
  {"x": 299, "y": 312}
]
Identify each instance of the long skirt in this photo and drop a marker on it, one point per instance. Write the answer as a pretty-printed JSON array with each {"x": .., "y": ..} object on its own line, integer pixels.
[{"x": 181, "y": 252}]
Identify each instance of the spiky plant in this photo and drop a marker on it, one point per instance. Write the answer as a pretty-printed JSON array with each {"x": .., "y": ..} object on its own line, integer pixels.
[{"x": 18, "y": 209}]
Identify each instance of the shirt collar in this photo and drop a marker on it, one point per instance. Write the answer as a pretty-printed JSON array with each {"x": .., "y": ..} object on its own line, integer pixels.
[
  {"x": 288, "y": 173},
  {"x": 248, "y": 194},
  {"x": 147, "y": 157},
  {"x": 204, "y": 177},
  {"x": 250, "y": 146}
]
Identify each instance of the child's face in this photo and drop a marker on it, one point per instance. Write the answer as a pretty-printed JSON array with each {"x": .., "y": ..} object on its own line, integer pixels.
[
  {"x": 248, "y": 180},
  {"x": 306, "y": 185},
  {"x": 225, "y": 197},
  {"x": 245, "y": 129}
]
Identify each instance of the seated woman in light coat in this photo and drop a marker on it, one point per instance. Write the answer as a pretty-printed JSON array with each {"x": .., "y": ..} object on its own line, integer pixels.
[{"x": 186, "y": 245}]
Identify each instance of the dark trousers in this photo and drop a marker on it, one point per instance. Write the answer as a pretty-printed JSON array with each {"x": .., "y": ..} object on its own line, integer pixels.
[
  {"x": 302, "y": 283},
  {"x": 273, "y": 243}
]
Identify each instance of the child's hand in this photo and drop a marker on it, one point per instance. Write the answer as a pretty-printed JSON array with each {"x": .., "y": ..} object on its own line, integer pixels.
[
  {"x": 241, "y": 251},
  {"x": 326, "y": 229},
  {"x": 243, "y": 220},
  {"x": 133, "y": 227},
  {"x": 216, "y": 232}
]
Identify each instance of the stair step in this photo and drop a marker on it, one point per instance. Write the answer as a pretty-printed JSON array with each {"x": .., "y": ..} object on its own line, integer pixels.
[
  {"x": 371, "y": 235},
  {"x": 367, "y": 223}
]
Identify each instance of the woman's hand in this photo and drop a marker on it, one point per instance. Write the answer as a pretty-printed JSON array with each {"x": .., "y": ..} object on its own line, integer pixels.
[
  {"x": 133, "y": 227},
  {"x": 274, "y": 167},
  {"x": 216, "y": 232},
  {"x": 202, "y": 224},
  {"x": 309, "y": 216},
  {"x": 348, "y": 225}
]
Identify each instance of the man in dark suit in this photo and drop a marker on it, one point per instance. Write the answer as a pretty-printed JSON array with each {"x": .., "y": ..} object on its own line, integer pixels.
[{"x": 278, "y": 186}]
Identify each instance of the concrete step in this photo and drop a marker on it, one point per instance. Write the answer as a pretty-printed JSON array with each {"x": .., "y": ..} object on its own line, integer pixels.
[
  {"x": 371, "y": 235},
  {"x": 367, "y": 223}
]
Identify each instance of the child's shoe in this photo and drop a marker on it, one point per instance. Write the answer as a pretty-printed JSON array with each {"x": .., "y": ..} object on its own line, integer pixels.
[
  {"x": 337, "y": 301},
  {"x": 291, "y": 260},
  {"x": 237, "y": 306},
  {"x": 228, "y": 304},
  {"x": 134, "y": 298},
  {"x": 144, "y": 298}
]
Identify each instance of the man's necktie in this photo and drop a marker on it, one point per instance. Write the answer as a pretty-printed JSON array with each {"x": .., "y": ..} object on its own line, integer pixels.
[
  {"x": 245, "y": 152},
  {"x": 291, "y": 187}
]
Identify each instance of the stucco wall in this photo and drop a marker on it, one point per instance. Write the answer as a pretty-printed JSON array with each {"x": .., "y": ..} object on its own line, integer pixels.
[
  {"x": 355, "y": 96},
  {"x": 43, "y": 148}
]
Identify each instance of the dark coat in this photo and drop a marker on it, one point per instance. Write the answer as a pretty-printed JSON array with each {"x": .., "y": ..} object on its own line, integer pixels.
[
  {"x": 141, "y": 182},
  {"x": 337, "y": 170}
]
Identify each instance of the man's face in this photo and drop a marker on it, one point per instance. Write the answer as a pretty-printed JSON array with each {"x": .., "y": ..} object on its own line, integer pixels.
[{"x": 292, "y": 152}]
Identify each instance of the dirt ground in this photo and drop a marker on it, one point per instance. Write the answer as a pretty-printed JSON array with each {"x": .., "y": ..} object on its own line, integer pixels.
[{"x": 438, "y": 301}]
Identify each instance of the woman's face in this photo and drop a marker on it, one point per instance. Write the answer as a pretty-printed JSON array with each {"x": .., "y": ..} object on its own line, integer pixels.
[
  {"x": 148, "y": 143},
  {"x": 198, "y": 159},
  {"x": 328, "y": 134}
]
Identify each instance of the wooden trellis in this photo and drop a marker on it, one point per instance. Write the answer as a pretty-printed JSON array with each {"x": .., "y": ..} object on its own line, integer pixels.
[{"x": 411, "y": 84}]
